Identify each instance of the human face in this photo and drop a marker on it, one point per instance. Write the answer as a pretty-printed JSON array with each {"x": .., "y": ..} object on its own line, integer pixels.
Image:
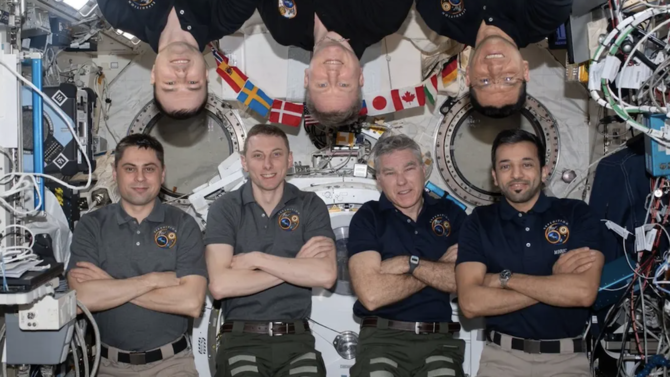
[
  {"x": 139, "y": 175},
  {"x": 496, "y": 72},
  {"x": 518, "y": 174},
  {"x": 334, "y": 77},
  {"x": 180, "y": 77},
  {"x": 401, "y": 177},
  {"x": 266, "y": 159}
]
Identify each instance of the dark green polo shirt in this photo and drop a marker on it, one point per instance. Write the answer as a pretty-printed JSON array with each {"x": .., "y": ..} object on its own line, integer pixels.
[
  {"x": 167, "y": 240},
  {"x": 236, "y": 219}
]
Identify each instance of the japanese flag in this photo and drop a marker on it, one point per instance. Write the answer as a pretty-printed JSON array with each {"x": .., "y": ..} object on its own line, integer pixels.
[{"x": 380, "y": 103}]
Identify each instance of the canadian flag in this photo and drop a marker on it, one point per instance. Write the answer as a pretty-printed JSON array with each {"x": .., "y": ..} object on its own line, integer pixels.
[
  {"x": 396, "y": 100},
  {"x": 406, "y": 98},
  {"x": 287, "y": 113}
]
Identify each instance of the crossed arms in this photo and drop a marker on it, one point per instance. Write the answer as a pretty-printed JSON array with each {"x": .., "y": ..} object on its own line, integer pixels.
[
  {"x": 574, "y": 283},
  {"x": 372, "y": 277},
  {"x": 253, "y": 272},
  {"x": 159, "y": 291}
]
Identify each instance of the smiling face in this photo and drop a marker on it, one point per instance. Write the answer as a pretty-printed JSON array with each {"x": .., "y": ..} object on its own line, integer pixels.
[
  {"x": 517, "y": 172},
  {"x": 179, "y": 76},
  {"x": 401, "y": 177},
  {"x": 139, "y": 175},
  {"x": 496, "y": 72},
  {"x": 334, "y": 77},
  {"x": 267, "y": 159}
]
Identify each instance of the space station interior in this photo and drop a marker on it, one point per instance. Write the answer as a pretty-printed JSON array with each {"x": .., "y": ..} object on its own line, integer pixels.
[{"x": 73, "y": 86}]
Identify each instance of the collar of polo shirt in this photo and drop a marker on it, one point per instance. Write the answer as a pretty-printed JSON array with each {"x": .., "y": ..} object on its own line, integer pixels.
[
  {"x": 507, "y": 212},
  {"x": 290, "y": 192},
  {"x": 157, "y": 214}
]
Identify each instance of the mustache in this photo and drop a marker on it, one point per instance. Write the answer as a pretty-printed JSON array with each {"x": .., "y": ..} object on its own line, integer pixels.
[{"x": 518, "y": 182}]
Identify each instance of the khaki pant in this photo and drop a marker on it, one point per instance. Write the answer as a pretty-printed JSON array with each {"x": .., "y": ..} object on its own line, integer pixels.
[
  {"x": 497, "y": 362},
  {"x": 179, "y": 365}
]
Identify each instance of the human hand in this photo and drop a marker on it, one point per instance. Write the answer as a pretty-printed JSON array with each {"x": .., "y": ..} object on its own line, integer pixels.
[
  {"x": 316, "y": 247},
  {"x": 574, "y": 261},
  {"x": 86, "y": 271},
  {"x": 395, "y": 266},
  {"x": 451, "y": 254},
  {"x": 245, "y": 261}
]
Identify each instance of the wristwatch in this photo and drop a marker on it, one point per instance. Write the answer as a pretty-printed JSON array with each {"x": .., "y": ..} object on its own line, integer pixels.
[
  {"x": 413, "y": 264},
  {"x": 504, "y": 277}
]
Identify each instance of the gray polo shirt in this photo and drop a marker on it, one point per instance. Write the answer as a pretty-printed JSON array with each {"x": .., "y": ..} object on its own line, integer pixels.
[
  {"x": 167, "y": 240},
  {"x": 237, "y": 220}
]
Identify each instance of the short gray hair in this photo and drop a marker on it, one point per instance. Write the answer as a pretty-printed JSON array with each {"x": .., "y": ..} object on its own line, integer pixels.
[
  {"x": 336, "y": 118},
  {"x": 390, "y": 144}
]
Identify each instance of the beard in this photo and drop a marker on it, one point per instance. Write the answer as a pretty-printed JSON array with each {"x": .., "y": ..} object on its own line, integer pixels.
[{"x": 521, "y": 196}]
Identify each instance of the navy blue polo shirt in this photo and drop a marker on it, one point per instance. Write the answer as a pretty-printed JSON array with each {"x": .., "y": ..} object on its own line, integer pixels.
[
  {"x": 380, "y": 226},
  {"x": 530, "y": 243}
]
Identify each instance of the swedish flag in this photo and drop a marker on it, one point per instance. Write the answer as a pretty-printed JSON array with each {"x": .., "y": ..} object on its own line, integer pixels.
[{"x": 254, "y": 98}]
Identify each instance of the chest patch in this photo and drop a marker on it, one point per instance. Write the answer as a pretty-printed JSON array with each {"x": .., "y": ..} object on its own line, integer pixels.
[
  {"x": 440, "y": 225},
  {"x": 141, "y": 4},
  {"x": 453, "y": 8},
  {"x": 289, "y": 219},
  {"x": 165, "y": 237},
  {"x": 287, "y": 8},
  {"x": 557, "y": 232}
]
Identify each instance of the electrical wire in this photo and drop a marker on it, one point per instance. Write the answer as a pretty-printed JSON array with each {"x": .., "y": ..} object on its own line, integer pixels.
[
  {"x": 70, "y": 127},
  {"x": 96, "y": 332},
  {"x": 75, "y": 356},
  {"x": 79, "y": 335}
]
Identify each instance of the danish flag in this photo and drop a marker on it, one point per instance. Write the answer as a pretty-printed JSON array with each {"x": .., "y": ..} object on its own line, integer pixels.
[{"x": 287, "y": 113}]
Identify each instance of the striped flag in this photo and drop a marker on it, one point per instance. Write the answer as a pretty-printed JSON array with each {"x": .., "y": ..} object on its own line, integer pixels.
[
  {"x": 364, "y": 109},
  {"x": 232, "y": 75},
  {"x": 430, "y": 89},
  {"x": 308, "y": 118},
  {"x": 449, "y": 72}
]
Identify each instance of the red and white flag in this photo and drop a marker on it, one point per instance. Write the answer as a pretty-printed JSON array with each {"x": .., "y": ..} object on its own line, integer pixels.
[
  {"x": 396, "y": 100},
  {"x": 287, "y": 113},
  {"x": 381, "y": 103},
  {"x": 407, "y": 98}
]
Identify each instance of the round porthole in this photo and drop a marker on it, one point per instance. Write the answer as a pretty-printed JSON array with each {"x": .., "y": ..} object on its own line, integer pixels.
[
  {"x": 463, "y": 146},
  {"x": 194, "y": 147}
]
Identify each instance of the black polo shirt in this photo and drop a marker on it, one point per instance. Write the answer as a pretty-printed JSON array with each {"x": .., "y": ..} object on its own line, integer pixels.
[
  {"x": 363, "y": 22},
  {"x": 236, "y": 219},
  {"x": 206, "y": 20},
  {"x": 379, "y": 226},
  {"x": 525, "y": 21},
  {"x": 530, "y": 243},
  {"x": 167, "y": 240}
]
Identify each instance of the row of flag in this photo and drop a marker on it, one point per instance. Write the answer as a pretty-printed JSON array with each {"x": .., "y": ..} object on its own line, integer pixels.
[{"x": 291, "y": 114}]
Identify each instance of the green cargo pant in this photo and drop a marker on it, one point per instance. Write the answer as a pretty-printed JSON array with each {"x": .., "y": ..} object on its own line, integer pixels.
[
  {"x": 257, "y": 355},
  {"x": 393, "y": 353}
]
